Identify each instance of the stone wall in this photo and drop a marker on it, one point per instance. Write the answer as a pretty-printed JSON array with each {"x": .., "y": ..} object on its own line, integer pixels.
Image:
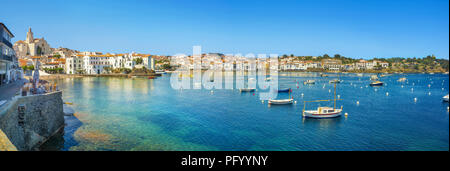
[{"x": 42, "y": 117}]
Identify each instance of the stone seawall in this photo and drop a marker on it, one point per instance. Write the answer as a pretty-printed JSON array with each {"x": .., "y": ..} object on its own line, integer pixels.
[{"x": 30, "y": 121}]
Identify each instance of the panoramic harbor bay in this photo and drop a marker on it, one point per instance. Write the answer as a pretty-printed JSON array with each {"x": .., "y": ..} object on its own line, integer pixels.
[
  {"x": 148, "y": 114},
  {"x": 228, "y": 84}
]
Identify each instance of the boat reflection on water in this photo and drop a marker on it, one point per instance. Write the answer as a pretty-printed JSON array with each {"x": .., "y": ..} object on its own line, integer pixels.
[{"x": 325, "y": 123}]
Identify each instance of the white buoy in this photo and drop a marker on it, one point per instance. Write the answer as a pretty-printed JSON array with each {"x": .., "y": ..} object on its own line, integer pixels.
[
  {"x": 329, "y": 91},
  {"x": 302, "y": 94},
  {"x": 429, "y": 93},
  {"x": 212, "y": 91},
  {"x": 402, "y": 86},
  {"x": 412, "y": 89},
  {"x": 346, "y": 114},
  {"x": 357, "y": 102},
  {"x": 387, "y": 93},
  {"x": 415, "y": 99},
  {"x": 295, "y": 102},
  {"x": 339, "y": 96}
]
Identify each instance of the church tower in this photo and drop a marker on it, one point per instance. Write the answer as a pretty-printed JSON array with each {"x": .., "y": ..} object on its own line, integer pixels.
[{"x": 30, "y": 38}]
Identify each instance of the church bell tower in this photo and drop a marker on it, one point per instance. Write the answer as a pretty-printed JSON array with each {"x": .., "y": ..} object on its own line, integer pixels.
[{"x": 29, "y": 36}]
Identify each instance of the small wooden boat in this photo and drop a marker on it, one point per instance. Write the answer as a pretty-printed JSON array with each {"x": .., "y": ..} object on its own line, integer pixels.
[
  {"x": 323, "y": 75},
  {"x": 376, "y": 83},
  {"x": 247, "y": 89},
  {"x": 323, "y": 112},
  {"x": 445, "y": 98},
  {"x": 403, "y": 79},
  {"x": 359, "y": 74},
  {"x": 335, "y": 81},
  {"x": 309, "y": 82},
  {"x": 285, "y": 90},
  {"x": 281, "y": 102},
  {"x": 151, "y": 77}
]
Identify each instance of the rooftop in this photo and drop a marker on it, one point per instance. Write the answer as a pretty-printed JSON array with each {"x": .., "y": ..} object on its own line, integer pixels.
[{"x": 6, "y": 28}]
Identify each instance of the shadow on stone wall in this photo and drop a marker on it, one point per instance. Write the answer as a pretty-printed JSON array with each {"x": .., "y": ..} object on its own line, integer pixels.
[{"x": 31, "y": 120}]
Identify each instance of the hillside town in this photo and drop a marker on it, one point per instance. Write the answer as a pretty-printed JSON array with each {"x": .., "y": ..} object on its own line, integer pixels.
[{"x": 67, "y": 61}]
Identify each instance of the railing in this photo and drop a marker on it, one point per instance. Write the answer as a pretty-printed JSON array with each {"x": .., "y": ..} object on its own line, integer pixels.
[
  {"x": 6, "y": 57},
  {"x": 7, "y": 43}
]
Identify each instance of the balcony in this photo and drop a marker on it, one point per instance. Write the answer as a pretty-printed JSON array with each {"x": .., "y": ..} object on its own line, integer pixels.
[
  {"x": 7, "y": 43},
  {"x": 6, "y": 57}
]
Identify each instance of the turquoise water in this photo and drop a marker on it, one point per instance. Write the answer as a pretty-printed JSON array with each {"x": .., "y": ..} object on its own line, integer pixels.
[{"x": 142, "y": 114}]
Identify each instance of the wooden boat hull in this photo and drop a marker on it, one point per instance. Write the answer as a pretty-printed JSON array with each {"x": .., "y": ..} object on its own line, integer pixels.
[
  {"x": 281, "y": 102},
  {"x": 376, "y": 84},
  {"x": 246, "y": 90},
  {"x": 284, "y": 90},
  {"x": 314, "y": 114},
  {"x": 335, "y": 81}
]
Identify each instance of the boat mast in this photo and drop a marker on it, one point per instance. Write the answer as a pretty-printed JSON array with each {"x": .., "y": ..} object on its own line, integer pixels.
[{"x": 334, "y": 95}]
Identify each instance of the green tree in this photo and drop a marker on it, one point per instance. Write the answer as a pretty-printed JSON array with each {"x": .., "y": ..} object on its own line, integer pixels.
[
  {"x": 39, "y": 50},
  {"x": 139, "y": 61}
]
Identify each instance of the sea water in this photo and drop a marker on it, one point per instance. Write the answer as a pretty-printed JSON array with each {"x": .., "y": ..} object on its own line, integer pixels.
[{"x": 144, "y": 114}]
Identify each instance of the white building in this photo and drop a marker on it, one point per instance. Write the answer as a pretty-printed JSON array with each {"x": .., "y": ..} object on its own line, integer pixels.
[{"x": 74, "y": 64}]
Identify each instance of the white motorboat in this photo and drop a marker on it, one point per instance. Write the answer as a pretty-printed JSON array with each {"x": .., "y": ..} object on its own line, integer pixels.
[
  {"x": 281, "y": 102},
  {"x": 445, "y": 98}
]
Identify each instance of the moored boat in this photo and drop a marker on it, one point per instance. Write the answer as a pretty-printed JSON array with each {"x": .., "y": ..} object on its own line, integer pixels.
[
  {"x": 281, "y": 102},
  {"x": 376, "y": 83},
  {"x": 445, "y": 98},
  {"x": 247, "y": 89},
  {"x": 323, "y": 75},
  {"x": 323, "y": 112},
  {"x": 403, "y": 79},
  {"x": 335, "y": 81},
  {"x": 309, "y": 82},
  {"x": 284, "y": 90}
]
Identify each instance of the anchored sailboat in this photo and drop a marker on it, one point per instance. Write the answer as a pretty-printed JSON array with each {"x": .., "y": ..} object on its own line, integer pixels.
[{"x": 323, "y": 112}]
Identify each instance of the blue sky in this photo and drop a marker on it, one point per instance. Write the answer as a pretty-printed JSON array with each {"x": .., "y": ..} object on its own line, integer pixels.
[{"x": 357, "y": 28}]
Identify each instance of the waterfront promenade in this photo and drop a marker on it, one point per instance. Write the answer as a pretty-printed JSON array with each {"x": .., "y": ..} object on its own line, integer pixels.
[{"x": 8, "y": 91}]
